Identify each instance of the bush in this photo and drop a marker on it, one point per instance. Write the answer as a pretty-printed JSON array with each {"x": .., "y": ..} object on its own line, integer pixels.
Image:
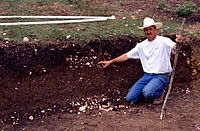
[{"x": 186, "y": 9}]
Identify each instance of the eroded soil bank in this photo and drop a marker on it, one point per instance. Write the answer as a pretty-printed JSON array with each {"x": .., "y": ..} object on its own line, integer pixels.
[{"x": 62, "y": 77}]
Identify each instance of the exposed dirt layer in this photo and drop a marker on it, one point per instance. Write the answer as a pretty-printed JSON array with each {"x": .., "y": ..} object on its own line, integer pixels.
[
  {"x": 62, "y": 82},
  {"x": 60, "y": 87}
]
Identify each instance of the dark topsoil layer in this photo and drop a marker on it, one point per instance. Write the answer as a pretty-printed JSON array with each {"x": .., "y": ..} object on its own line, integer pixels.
[{"x": 55, "y": 76}]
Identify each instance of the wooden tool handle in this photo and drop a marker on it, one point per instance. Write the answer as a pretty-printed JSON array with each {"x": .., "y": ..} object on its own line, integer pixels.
[
  {"x": 182, "y": 25},
  {"x": 173, "y": 72}
]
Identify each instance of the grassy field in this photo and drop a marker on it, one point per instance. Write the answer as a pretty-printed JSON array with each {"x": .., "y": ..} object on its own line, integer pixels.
[{"x": 124, "y": 24}]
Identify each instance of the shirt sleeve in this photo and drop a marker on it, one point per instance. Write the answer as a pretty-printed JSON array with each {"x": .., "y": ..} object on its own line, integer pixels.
[
  {"x": 133, "y": 53},
  {"x": 171, "y": 43}
]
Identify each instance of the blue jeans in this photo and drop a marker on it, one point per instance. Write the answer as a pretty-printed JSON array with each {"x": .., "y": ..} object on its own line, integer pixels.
[{"x": 149, "y": 86}]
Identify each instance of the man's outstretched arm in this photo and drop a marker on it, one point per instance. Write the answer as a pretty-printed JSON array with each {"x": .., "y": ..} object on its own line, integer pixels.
[{"x": 121, "y": 58}]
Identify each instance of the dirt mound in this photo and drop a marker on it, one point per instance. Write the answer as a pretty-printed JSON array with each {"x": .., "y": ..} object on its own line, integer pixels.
[{"x": 37, "y": 80}]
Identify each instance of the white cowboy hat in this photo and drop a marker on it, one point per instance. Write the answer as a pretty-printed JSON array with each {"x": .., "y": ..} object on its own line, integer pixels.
[{"x": 149, "y": 22}]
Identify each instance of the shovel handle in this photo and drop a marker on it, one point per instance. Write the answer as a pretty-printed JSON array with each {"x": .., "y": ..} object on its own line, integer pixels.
[
  {"x": 173, "y": 72},
  {"x": 182, "y": 25}
]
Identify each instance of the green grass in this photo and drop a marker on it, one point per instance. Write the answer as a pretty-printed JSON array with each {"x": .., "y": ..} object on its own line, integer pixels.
[
  {"x": 162, "y": 5},
  {"x": 81, "y": 31},
  {"x": 169, "y": 27}
]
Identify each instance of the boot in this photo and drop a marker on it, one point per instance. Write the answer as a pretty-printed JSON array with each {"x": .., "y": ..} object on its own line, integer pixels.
[{"x": 159, "y": 100}]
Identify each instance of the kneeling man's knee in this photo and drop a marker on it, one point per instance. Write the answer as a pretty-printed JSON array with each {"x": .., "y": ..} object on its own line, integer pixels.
[
  {"x": 147, "y": 94},
  {"x": 129, "y": 98}
]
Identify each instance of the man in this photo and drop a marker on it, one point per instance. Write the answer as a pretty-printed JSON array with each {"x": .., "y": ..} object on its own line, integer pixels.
[{"x": 154, "y": 54}]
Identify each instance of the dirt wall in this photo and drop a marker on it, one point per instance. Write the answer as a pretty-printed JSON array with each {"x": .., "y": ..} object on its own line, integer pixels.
[{"x": 37, "y": 77}]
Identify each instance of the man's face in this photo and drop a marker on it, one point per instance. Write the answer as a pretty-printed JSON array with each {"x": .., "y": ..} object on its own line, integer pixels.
[{"x": 150, "y": 32}]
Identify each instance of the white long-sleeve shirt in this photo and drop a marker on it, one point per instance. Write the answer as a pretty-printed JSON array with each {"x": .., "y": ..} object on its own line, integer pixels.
[{"x": 154, "y": 55}]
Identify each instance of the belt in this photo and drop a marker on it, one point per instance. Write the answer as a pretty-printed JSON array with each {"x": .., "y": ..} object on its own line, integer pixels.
[{"x": 165, "y": 74}]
